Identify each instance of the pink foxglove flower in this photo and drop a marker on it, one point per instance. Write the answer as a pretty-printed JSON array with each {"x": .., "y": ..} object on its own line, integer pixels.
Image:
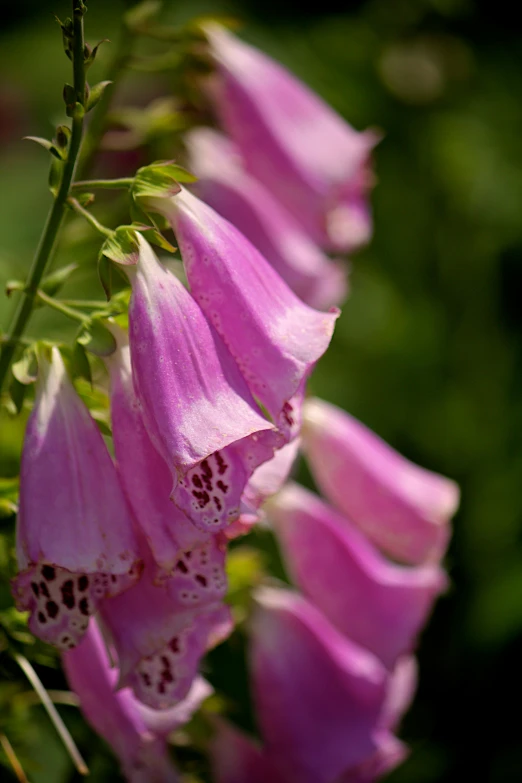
[
  {"x": 235, "y": 758},
  {"x": 401, "y": 507},
  {"x": 136, "y": 733},
  {"x": 274, "y": 337},
  {"x": 145, "y": 476},
  {"x": 75, "y": 540},
  {"x": 378, "y": 604},
  {"x": 162, "y": 630},
  {"x": 227, "y": 187},
  {"x": 319, "y": 696},
  {"x": 293, "y": 142},
  {"x": 196, "y": 405}
]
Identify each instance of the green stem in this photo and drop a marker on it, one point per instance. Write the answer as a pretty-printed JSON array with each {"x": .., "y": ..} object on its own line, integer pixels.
[
  {"x": 107, "y": 232},
  {"x": 121, "y": 183},
  {"x": 56, "y": 214},
  {"x": 62, "y": 308}
]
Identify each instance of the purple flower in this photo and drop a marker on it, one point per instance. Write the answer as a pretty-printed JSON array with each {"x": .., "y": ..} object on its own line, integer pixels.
[
  {"x": 319, "y": 696},
  {"x": 235, "y": 758},
  {"x": 136, "y": 733},
  {"x": 145, "y": 476},
  {"x": 161, "y": 629},
  {"x": 196, "y": 405},
  {"x": 379, "y": 605},
  {"x": 274, "y": 337},
  {"x": 296, "y": 145},
  {"x": 75, "y": 539},
  {"x": 401, "y": 507},
  {"x": 250, "y": 206}
]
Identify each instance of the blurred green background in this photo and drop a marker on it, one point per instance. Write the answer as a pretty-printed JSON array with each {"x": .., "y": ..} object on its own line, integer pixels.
[{"x": 428, "y": 351}]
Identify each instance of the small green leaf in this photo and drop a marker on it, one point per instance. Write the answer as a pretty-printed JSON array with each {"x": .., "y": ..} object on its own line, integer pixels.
[
  {"x": 122, "y": 246},
  {"x": 80, "y": 366},
  {"x": 156, "y": 238},
  {"x": 89, "y": 54},
  {"x": 7, "y": 508},
  {"x": 17, "y": 393},
  {"x": 47, "y": 145},
  {"x": 151, "y": 182},
  {"x": 55, "y": 175},
  {"x": 52, "y": 283},
  {"x": 105, "y": 274},
  {"x": 25, "y": 370},
  {"x": 63, "y": 135},
  {"x": 177, "y": 172},
  {"x": 95, "y": 93},
  {"x": 97, "y": 339}
]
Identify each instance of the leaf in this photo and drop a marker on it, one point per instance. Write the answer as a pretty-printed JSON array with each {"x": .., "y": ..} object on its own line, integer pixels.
[
  {"x": 17, "y": 393},
  {"x": 55, "y": 176},
  {"x": 97, "y": 339},
  {"x": 122, "y": 246},
  {"x": 25, "y": 370},
  {"x": 90, "y": 54},
  {"x": 150, "y": 182},
  {"x": 95, "y": 93},
  {"x": 52, "y": 283},
  {"x": 47, "y": 145},
  {"x": 105, "y": 274}
]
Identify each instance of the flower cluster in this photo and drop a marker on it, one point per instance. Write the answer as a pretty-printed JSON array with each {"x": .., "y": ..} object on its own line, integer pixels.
[
  {"x": 208, "y": 411},
  {"x": 332, "y": 666}
]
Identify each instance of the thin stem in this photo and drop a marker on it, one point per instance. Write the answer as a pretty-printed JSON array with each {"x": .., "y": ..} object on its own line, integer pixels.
[
  {"x": 56, "y": 214},
  {"x": 122, "y": 183},
  {"x": 13, "y": 759},
  {"x": 59, "y": 725},
  {"x": 90, "y": 304},
  {"x": 89, "y": 217},
  {"x": 55, "y": 304}
]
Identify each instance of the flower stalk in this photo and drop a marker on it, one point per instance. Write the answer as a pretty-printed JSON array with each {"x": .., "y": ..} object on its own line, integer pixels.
[{"x": 54, "y": 221}]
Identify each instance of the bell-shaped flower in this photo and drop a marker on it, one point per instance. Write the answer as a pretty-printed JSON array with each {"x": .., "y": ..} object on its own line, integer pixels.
[
  {"x": 136, "y": 733},
  {"x": 145, "y": 476},
  {"x": 75, "y": 539},
  {"x": 401, "y": 507},
  {"x": 378, "y": 604},
  {"x": 250, "y": 206},
  {"x": 305, "y": 154},
  {"x": 162, "y": 629},
  {"x": 319, "y": 696},
  {"x": 196, "y": 405},
  {"x": 274, "y": 337}
]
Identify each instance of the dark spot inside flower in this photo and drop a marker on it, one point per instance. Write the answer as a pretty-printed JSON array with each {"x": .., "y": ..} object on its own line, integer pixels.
[
  {"x": 187, "y": 554},
  {"x": 42, "y": 618},
  {"x": 83, "y": 582},
  {"x": 206, "y": 469},
  {"x": 180, "y": 566},
  {"x": 48, "y": 572},
  {"x": 165, "y": 661},
  {"x": 202, "y": 580},
  {"x": 287, "y": 411},
  {"x": 197, "y": 482},
  {"x": 113, "y": 578},
  {"x": 222, "y": 486},
  {"x": 217, "y": 502},
  {"x": 146, "y": 679},
  {"x": 68, "y": 594},
  {"x": 83, "y": 606},
  {"x": 166, "y": 676},
  {"x": 44, "y": 589},
  {"x": 174, "y": 645},
  {"x": 222, "y": 465},
  {"x": 203, "y": 498},
  {"x": 52, "y": 609},
  {"x": 35, "y": 589},
  {"x": 161, "y": 687}
]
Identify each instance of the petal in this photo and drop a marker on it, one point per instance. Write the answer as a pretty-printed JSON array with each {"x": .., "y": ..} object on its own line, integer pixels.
[
  {"x": 161, "y": 630},
  {"x": 318, "y": 695},
  {"x": 75, "y": 537},
  {"x": 389, "y": 754},
  {"x": 380, "y": 605},
  {"x": 237, "y": 759},
  {"x": 290, "y": 140},
  {"x": 274, "y": 337},
  {"x": 196, "y": 406},
  {"x": 401, "y": 507},
  {"x": 229, "y": 189},
  {"x": 144, "y": 474}
]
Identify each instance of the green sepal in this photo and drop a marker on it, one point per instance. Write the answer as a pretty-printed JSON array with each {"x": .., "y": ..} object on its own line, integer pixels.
[
  {"x": 25, "y": 370},
  {"x": 17, "y": 392},
  {"x": 9, "y": 489},
  {"x": 55, "y": 175},
  {"x": 47, "y": 145},
  {"x": 105, "y": 274},
  {"x": 122, "y": 246},
  {"x": 95, "y": 93},
  {"x": 78, "y": 361},
  {"x": 160, "y": 179},
  {"x": 89, "y": 53},
  {"x": 97, "y": 339},
  {"x": 52, "y": 283}
]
